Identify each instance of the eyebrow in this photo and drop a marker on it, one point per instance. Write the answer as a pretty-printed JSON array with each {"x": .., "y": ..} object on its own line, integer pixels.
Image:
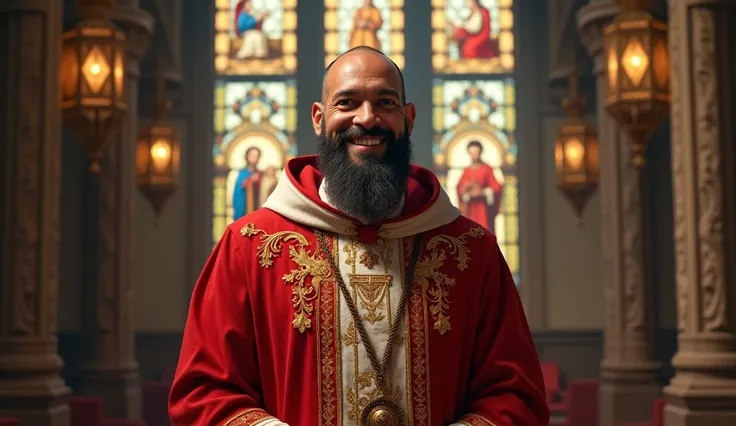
[{"x": 354, "y": 92}]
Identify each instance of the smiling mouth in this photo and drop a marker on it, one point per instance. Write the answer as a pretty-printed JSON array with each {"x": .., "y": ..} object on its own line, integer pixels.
[{"x": 368, "y": 141}]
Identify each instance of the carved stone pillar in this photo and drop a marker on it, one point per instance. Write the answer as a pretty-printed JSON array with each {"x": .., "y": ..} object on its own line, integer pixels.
[
  {"x": 701, "y": 40},
  {"x": 629, "y": 372},
  {"x": 30, "y": 159},
  {"x": 108, "y": 369}
]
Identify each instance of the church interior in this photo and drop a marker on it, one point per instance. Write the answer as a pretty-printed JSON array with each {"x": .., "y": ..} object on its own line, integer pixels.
[{"x": 132, "y": 129}]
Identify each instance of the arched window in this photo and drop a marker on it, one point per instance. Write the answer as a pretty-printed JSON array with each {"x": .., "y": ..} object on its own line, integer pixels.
[
  {"x": 255, "y": 103},
  {"x": 474, "y": 114}
]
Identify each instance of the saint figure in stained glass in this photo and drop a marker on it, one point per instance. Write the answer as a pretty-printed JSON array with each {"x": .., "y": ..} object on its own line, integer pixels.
[
  {"x": 366, "y": 23},
  {"x": 478, "y": 190},
  {"x": 254, "y": 124},
  {"x": 255, "y": 37},
  {"x": 475, "y": 154},
  {"x": 472, "y": 36},
  {"x": 374, "y": 23},
  {"x": 249, "y": 27}
]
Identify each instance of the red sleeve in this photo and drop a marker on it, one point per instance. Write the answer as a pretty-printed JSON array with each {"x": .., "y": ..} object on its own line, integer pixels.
[
  {"x": 506, "y": 388},
  {"x": 492, "y": 181},
  {"x": 462, "y": 184},
  {"x": 217, "y": 379}
]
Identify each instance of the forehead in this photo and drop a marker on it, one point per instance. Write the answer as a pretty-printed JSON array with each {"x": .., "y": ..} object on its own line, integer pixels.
[{"x": 362, "y": 71}]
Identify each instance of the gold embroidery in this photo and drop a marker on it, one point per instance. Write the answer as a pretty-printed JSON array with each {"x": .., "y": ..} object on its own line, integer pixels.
[
  {"x": 252, "y": 417},
  {"x": 417, "y": 351},
  {"x": 475, "y": 420},
  {"x": 368, "y": 259},
  {"x": 303, "y": 294},
  {"x": 365, "y": 391},
  {"x": 371, "y": 291},
  {"x": 329, "y": 370},
  {"x": 429, "y": 268}
]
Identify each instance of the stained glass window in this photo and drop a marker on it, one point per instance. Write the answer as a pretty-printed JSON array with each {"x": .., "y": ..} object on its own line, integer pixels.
[
  {"x": 475, "y": 154},
  {"x": 374, "y": 23},
  {"x": 255, "y": 37},
  {"x": 255, "y": 103},
  {"x": 254, "y": 125},
  {"x": 473, "y": 36}
]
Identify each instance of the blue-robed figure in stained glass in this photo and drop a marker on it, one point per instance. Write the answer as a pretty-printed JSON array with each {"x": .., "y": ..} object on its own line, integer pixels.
[
  {"x": 246, "y": 189},
  {"x": 248, "y": 25}
]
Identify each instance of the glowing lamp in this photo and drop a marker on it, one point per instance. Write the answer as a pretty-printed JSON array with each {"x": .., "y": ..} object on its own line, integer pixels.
[
  {"x": 92, "y": 75},
  {"x": 576, "y": 153},
  {"x": 158, "y": 161},
  {"x": 637, "y": 63}
]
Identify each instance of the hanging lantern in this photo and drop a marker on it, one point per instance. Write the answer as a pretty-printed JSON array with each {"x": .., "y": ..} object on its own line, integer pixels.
[
  {"x": 158, "y": 154},
  {"x": 637, "y": 59},
  {"x": 576, "y": 153},
  {"x": 92, "y": 75}
]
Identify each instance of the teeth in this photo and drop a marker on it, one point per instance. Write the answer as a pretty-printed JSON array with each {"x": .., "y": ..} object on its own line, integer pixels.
[{"x": 367, "y": 141}]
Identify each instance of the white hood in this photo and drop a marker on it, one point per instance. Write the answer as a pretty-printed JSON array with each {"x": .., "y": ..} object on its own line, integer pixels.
[{"x": 289, "y": 200}]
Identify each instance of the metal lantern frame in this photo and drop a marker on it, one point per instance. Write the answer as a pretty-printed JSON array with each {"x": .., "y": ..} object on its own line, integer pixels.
[
  {"x": 637, "y": 59},
  {"x": 158, "y": 158},
  {"x": 577, "y": 161},
  {"x": 158, "y": 161},
  {"x": 93, "y": 79}
]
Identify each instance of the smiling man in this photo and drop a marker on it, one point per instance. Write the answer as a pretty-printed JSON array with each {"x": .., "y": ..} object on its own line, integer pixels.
[{"x": 358, "y": 294}]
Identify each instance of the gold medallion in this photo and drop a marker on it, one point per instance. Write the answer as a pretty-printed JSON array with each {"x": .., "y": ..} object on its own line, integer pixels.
[{"x": 382, "y": 412}]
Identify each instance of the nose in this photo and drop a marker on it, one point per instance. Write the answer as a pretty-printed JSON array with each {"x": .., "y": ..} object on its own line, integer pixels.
[{"x": 365, "y": 116}]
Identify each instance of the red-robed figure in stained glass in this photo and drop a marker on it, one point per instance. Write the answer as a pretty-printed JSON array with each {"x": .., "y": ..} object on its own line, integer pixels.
[
  {"x": 358, "y": 294},
  {"x": 474, "y": 34},
  {"x": 478, "y": 191}
]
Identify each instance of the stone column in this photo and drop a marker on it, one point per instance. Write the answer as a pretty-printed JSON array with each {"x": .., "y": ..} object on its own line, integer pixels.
[
  {"x": 629, "y": 371},
  {"x": 108, "y": 369},
  {"x": 701, "y": 39},
  {"x": 30, "y": 159}
]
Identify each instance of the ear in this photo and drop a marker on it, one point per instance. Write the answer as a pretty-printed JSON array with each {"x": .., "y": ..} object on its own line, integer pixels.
[
  {"x": 318, "y": 114},
  {"x": 410, "y": 112}
]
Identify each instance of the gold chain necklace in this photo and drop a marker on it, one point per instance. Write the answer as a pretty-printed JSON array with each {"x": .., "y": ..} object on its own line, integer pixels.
[{"x": 381, "y": 411}]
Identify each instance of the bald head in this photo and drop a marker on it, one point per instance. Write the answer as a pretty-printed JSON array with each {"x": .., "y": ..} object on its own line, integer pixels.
[{"x": 363, "y": 55}]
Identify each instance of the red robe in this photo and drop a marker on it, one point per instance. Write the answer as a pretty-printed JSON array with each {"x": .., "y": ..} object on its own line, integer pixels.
[
  {"x": 268, "y": 339},
  {"x": 479, "y": 209},
  {"x": 480, "y": 44}
]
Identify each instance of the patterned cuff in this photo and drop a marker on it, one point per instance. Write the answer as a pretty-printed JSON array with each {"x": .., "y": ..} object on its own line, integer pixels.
[
  {"x": 253, "y": 417},
  {"x": 473, "y": 420}
]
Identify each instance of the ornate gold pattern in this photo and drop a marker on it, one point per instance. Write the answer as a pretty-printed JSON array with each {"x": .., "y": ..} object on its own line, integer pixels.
[
  {"x": 371, "y": 291},
  {"x": 329, "y": 373},
  {"x": 475, "y": 420},
  {"x": 365, "y": 391},
  {"x": 428, "y": 268},
  {"x": 313, "y": 265},
  {"x": 417, "y": 353},
  {"x": 252, "y": 417},
  {"x": 368, "y": 259},
  {"x": 382, "y": 412}
]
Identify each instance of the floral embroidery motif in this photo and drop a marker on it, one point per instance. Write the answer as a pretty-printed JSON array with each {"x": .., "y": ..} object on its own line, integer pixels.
[
  {"x": 303, "y": 294},
  {"x": 428, "y": 268},
  {"x": 368, "y": 259},
  {"x": 252, "y": 417}
]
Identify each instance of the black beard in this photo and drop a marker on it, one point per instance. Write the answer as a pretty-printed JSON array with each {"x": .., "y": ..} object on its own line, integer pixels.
[{"x": 373, "y": 189}]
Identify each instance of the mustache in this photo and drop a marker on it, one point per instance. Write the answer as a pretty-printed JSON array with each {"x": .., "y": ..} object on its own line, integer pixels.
[{"x": 359, "y": 132}]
